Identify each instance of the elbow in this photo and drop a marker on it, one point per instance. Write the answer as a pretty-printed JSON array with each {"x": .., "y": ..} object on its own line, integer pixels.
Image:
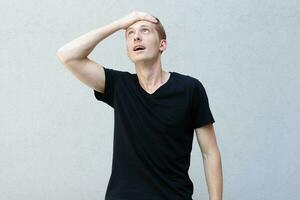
[
  {"x": 60, "y": 56},
  {"x": 212, "y": 154}
]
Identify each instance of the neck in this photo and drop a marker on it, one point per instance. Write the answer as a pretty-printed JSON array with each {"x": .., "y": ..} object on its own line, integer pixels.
[{"x": 150, "y": 74}]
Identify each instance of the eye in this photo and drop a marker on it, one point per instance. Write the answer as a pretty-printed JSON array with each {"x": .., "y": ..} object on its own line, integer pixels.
[
  {"x": 145, "y": 29},
  {"x": 129, "y": 32}
]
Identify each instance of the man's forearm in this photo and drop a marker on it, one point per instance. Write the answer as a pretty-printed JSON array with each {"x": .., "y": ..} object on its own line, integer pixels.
[
  {"x": 82, "y": 46},
  {"x": 214, "y": 176}
]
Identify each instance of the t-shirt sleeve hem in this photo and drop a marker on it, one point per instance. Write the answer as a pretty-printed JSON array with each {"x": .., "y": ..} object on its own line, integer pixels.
[
  {"x": 203, "y": 123},
  {"x": 101, "y": 96},
  {"x": 107, "y": 95}
]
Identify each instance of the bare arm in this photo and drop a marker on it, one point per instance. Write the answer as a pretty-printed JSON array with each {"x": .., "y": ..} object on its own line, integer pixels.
[
  {"x": 212, "y": 161},
  {"x": 74, "y": 55}
]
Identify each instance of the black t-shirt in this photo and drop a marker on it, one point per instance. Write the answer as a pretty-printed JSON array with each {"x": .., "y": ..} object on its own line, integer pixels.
[{"x": 153, "y": 135}]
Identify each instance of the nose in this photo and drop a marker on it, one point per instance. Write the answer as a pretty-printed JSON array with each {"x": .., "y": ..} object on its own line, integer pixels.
[{"x": 136, "y": 36}]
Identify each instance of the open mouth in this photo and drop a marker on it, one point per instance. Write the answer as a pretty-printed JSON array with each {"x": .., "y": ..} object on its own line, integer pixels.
[{"x": 139, "y": 48}]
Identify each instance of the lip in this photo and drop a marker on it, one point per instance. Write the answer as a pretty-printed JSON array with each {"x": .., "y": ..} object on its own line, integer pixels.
[
  {"x": 139, "y": 51},
  {"x": 139, "y": 45}
]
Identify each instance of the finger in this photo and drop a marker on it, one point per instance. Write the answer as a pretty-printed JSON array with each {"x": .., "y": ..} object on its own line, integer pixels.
[
  {"x": 148, "y": 17},
  {"x": 151, "y": 18},
  {"x": 155, "y": 19}
]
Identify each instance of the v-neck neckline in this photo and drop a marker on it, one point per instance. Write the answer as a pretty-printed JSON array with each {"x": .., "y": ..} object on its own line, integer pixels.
[{"x": 157, "y": 90}]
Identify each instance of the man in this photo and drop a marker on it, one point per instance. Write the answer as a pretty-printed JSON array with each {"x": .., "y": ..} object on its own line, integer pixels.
[{"x": 155, "y": 113}]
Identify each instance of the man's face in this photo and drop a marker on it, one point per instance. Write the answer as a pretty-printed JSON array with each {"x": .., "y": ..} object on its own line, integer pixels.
[{"x": 143, "y": 33}]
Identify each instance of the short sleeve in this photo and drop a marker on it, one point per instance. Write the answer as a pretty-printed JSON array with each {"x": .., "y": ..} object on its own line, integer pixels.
[
  {"x": 111, "y": 78},
  {"x": 201, "y": 113}
]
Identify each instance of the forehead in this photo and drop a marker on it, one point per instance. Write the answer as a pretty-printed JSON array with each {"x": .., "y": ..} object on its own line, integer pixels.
[{"x": 139, "y": 24}]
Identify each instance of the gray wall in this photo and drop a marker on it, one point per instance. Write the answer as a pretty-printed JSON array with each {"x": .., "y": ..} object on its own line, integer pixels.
[{"x": 56, "y": 138}]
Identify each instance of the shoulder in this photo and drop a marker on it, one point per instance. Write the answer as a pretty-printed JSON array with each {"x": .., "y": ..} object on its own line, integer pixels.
[
  {"x": 192, "y": 85},
  {"x": 116, "y": 74},
  {"x": 188, "y": 80},
  {"x": 115, "y": 71}
]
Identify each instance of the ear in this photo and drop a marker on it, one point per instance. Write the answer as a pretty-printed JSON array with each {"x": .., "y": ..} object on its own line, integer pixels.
[{"x": 163, "y": 45}]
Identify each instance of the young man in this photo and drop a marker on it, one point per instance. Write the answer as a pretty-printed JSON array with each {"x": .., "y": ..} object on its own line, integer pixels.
[{"x": 155, "y": 114}]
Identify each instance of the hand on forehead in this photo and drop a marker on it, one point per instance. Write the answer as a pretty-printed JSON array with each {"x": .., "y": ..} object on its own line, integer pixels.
[{"x": 140, "y": 23}]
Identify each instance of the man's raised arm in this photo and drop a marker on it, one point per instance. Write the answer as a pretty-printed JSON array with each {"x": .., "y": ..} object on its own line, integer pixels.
[{"x": 74, "y": 55}]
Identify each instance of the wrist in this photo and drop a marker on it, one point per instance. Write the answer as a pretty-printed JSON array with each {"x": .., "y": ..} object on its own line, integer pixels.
[{"x": 117, "y": 24}]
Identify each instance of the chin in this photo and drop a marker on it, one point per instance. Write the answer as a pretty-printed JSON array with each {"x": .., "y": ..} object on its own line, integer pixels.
[
  {"x": 139, "y": 58},
  {"x": 142, "y": 59}
]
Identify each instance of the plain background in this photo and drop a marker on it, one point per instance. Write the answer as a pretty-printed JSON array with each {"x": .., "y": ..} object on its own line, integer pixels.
[{"x": 56, "y": 138}]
